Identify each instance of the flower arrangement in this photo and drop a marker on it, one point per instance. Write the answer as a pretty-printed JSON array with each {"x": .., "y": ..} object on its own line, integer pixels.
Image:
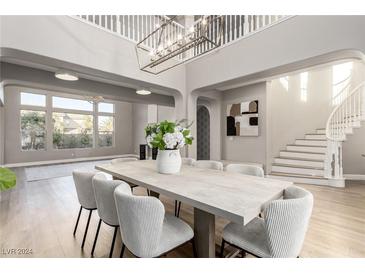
[{"x": 168, "y": 135}]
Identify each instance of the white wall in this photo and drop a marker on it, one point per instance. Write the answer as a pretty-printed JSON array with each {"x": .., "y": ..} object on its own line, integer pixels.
[
  {"x": 245, "y": 149},
  {"x": 352, "y": 150},
  {"x": 14, "y": 154},
  {"x": 147, "y": 113}
]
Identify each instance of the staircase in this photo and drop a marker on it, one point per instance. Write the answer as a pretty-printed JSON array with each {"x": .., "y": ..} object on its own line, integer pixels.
[
  {"x": 303, "y": 161},
  {"x": 317, "y": 159}
]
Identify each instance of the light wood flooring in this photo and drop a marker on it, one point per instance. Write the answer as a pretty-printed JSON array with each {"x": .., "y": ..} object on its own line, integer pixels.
[{"x": 40, "y": 215}]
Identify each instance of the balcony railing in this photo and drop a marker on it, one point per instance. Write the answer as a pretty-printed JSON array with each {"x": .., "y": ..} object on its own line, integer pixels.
[{"x": 137, "y": 27}]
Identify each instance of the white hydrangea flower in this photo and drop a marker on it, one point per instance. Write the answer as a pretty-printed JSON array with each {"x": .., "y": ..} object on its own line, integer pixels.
[
  {"x": 149, "y": 139},
  {"x": 170, "y": 140}
]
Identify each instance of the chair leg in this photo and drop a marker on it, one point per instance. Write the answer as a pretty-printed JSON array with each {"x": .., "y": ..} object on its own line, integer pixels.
[
  {"x": 175, "y": 208},
  {"x": 78, "y": 219},
  {"x": 86, "y": 229},
  {"x": 222, "y": 248},
  {"x": 96, "y": 238},
  {"x": 112, "y": 247},
  {"x": 122, "y": 251},
  {"x": 148, "y": 192},
  {"x": 194, "y": 248},
  {"x": 178, "y": 210},
  {"x": 243, "y": 253}
]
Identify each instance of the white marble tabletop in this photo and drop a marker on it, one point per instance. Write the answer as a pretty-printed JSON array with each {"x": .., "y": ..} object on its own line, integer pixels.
[{"x": 236, "y": 197}]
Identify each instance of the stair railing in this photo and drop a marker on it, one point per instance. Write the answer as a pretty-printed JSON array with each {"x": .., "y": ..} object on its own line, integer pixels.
[{"x": 346, "y": 115}]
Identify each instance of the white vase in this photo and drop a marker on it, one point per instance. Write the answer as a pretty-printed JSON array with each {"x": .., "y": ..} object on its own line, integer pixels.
[{"x": 168, "y": 161}]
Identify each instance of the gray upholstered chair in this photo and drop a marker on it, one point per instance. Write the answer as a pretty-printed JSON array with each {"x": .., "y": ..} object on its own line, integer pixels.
[
  {"x": 104, "y": 195},
  {"x": 85, "y": 194},
  {"x": 246, "y": 169},
  {"x": 121, "y": 160},
  {"x": 281, "y": 233},
  {"x": 188, "y": 161},
  {"x": 146, "y": 230},
  {"x": 208, "y": 164}
]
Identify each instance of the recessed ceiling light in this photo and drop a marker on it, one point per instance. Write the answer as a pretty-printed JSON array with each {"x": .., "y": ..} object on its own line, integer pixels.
[
  {"x": 67, "y": 76},
  {"x": 143, "y": 92}
]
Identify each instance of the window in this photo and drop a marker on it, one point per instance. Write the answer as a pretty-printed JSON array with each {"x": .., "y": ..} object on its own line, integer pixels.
[
  {"x": 32, "y": 99},
  {"x": 106, "y": 107},
  {"x": 105, "y": 131},
  {"x": 72, "y": 130},
  {"x": 341, "y": 76},
  {"x": 284, "y": 81},
  {"x": 33, "y": 129},
  {"x": 105, "y": 124},
  {"x": 68, "y": 103},
  {"x": 304, "y": 86}
]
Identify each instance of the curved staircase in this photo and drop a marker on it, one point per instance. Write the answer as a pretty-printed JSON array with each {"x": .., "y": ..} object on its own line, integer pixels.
[{"x": 317, "y": 159}]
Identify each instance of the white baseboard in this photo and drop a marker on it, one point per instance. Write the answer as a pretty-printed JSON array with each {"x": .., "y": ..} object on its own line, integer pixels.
[
  {"x": 357, "y": 177},
  {"x": 63, "y": 161}
]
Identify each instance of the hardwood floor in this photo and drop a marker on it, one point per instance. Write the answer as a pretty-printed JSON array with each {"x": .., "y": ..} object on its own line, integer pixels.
[{"x": 40, "y": 216}]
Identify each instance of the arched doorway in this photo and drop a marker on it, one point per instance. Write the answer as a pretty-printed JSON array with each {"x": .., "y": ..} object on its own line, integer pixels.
[{"x": 203, "y": 133}]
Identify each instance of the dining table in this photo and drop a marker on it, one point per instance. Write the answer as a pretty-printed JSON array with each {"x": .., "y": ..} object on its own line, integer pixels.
[{"x": 236, "y": 197}]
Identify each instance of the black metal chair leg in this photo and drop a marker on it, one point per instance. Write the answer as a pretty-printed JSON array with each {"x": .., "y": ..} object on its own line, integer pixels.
[
  {"x": 96, "y": 238},
  {"x": 175, "y": 208},
  {"x": 122, "y": 251},
  {"x": 86, "y": 229},
  {"x": 222, "y": 248},
  {"x": 178, "y": 210},
  {"x": 194, "y": 248},
  {"x": 112, "y": 247},
  {"x": 78, "y": 219},
  {"x": 148, "y": 192}
]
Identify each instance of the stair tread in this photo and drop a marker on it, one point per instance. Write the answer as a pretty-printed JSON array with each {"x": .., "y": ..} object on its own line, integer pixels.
[
  {"x": 305, "y": 145},
  {"x": 300, "y": 159},
  {"x": 283, "y": 174},
  {"x": 312, "y": 139},
  {"x": 295, "y": 166},
  {"x": 296, "y": 151}
]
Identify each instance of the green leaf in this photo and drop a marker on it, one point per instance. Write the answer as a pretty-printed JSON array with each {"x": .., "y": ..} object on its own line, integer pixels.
[{"x": 7, "y": 179}]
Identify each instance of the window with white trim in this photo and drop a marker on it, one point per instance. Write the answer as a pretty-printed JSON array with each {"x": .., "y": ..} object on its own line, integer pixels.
[
  {"x": 105, "y": 124},
  {"x": 33, "y": 121}
]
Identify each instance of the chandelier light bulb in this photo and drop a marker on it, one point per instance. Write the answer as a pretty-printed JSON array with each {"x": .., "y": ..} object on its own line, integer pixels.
[
  {"x": 157, "y": 25},
  {"x": 204, "y": 21},
  {"x": 160, "y": 47},
  {"x": 191, "y": 29},
  {"x": 169, "y": 43},
  {"x": 179, "y": 36}
]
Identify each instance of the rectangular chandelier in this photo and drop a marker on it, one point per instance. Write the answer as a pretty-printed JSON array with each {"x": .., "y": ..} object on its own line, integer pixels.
[{"x": 172, "y": 44}]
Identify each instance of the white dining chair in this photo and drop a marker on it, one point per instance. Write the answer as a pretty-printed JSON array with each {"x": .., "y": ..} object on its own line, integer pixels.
[
  {"x": 280, "y": 234},
  {"x": 188, "y": 161},
  {"x": 85, "y": 195},
  {"x": 208, "y": 164},
  {"x": 145, "y": 228},
  {"x": 246, "y": 169},
  {"x": 104, "y": 196}
]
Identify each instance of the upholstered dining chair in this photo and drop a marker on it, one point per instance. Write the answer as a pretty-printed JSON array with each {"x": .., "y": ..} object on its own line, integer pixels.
[
  {"x": 208, "y": 164},
  {"x": 85, "y": 195},
  {"x": 145, "y": 228},
  {"x": 246, "y": 169},
  {"x": 280, "y": 234},
  {"x": 187, "y": 161},
  {"x": 104, "y": 196}
]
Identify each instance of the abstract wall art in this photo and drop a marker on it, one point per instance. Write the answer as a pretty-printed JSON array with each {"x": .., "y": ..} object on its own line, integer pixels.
[{"x": 242, "y": 119}]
